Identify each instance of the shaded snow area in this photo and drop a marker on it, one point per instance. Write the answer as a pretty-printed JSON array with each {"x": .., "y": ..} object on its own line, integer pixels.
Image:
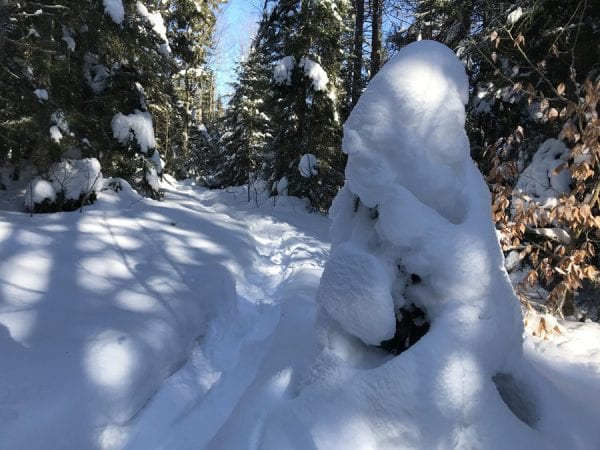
[
  {"x": 209, "y": 322},
  {"x": 140, "y": 324}
]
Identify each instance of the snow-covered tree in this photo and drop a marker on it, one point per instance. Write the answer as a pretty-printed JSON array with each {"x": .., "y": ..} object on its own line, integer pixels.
[
  {"x": 307, "y": 37},
  {"x": 247, "y": 124},
  {"x": 415, "y": 261},
  {"x": 71, "y": 68}
]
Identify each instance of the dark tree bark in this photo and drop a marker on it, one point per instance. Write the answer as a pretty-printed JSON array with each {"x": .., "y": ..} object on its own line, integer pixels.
[
  {"x": 377, "y": 16},
  {"x": 359, "y": 6}
]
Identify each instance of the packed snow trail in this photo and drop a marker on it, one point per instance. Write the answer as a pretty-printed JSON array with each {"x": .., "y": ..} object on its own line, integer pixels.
[
  {"x": 99, "y": 309},
  {"x": 270, "y": 333}
]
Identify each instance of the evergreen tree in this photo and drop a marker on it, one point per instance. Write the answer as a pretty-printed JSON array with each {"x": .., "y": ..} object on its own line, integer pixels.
[
  {"x": 247, "y": 126},
  {"x": 70, "y": 69},
  {"x": 306, "y": 36}
]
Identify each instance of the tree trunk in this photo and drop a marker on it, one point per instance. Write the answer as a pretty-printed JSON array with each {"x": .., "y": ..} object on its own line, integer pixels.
[
  {"x": 377, "y": 14},
  {"x": 359, "y": 6}
]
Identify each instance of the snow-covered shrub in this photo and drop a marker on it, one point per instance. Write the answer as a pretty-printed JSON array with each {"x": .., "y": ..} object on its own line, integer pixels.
[
  {"x": 414, "y": 250},
  {"x": 40, "y": 195},
  {"x": 70, "y": 184}
]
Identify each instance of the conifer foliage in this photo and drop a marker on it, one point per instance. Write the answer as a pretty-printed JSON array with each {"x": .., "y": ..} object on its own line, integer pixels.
[
  {"x": 296, "y": 56},
  {"x": 96, "y": 78}
]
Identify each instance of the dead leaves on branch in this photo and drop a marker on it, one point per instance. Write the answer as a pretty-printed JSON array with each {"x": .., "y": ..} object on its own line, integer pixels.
[{"x": 558, "y": 241}]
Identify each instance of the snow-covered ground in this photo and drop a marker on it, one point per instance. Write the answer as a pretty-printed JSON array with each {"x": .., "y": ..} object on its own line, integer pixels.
[
  {"x": 134, "y": 321},
  {"x": 186, "y": 324},
  {"x": 210, "y": 322}
]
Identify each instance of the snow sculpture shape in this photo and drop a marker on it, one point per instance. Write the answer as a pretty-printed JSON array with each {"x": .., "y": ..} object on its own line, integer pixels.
[{"x": 412, "y": 226}]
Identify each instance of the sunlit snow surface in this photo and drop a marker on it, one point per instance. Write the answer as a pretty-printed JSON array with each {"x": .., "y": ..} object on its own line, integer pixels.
[
  {"x": 190, "y": 323},
  {"x": 193, "y": 323}
]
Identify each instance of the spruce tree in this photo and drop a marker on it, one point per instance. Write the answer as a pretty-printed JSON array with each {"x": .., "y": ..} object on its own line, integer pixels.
[{"x": 306, "y": 37}]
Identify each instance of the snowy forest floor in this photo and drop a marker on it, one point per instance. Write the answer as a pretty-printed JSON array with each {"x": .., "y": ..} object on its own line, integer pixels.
[{"x": 179, "y": 324}]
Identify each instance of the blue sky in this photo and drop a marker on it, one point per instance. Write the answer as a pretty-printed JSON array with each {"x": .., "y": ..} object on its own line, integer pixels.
[{"x": 236, "y": 26}]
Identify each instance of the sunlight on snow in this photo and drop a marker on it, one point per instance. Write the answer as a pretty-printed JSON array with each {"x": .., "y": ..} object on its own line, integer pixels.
[
  {"x": 460, "y": 383},
  {"x": 20, "y": 324},
  {"x": 136, "y": 302},
  {"x": 24, "y": 277},
  {"x": 110, "y": 360}
]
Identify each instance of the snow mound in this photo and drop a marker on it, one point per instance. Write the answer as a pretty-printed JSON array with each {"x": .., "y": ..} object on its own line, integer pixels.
[
  {"x": 38, "y": 191},
  {"x": 69, "y": 178},
  {"x": 421, "y": 106},
  {"x": 412, "y": 231},
  {"x": 76, "y": 177}
]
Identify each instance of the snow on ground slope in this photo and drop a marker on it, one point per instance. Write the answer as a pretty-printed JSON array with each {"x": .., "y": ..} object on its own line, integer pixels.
[
  {"x": 187, "y": 324},
  {"x": 98, "y": 309}
]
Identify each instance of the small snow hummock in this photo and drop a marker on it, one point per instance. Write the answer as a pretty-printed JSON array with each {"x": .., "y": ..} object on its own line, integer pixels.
[
  {"x": 282, "y": 70},
  {"x": 308, "y": 165},
  {"x": 158, "y": 25},
  {"x": 114, "y": 8},
  {"x": 71, "y": 178},
  {"x": 38, "y": 191},
  {"x": 137, "y": 124},
  {"x": 41, "y": 94},
  {"x": 315, "y": 72},
  {"x": 75, "y": 177}
]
